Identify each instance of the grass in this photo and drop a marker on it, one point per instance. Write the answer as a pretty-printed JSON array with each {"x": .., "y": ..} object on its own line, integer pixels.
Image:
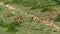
[{"x": 7, "y": 26}]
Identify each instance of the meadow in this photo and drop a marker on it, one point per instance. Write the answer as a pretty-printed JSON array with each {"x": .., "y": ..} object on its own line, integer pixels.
[{"x": 29, "y": 17}]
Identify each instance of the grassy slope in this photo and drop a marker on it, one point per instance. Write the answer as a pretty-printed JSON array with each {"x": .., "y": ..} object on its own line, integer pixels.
[{"x": 27, "y": 26}]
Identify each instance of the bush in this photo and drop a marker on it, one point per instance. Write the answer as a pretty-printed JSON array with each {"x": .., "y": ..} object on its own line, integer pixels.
[
  {"x": 57, "y": 18},
  {"x": 58, "y": 1}
]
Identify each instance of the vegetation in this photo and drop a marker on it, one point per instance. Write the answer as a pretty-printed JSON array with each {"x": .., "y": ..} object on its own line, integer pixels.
[
  {"x": 29, "y": 16},
  {"x": 57, "y": 18},
  {"x": 58, "y": 1}
]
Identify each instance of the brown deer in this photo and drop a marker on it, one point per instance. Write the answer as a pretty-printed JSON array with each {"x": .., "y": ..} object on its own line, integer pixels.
[
  {"x": 48, "y": 13},
  {"x": 15, "y": 19},
  {"x": 54, "y": 10},
  {"x": 32, "y": 16},
  {"x": 21, "y": 19},
  {"x": 39, "y": 19}
]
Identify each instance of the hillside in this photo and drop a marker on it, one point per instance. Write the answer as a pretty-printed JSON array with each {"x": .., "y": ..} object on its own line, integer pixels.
[{"x": 29, "y": 16}]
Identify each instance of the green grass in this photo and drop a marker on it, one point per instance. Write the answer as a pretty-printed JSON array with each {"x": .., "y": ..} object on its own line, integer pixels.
[{"x": 7, "y": 26}]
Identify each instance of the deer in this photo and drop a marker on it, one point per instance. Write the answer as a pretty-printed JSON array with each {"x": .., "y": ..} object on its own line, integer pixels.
[
  {"x": 21, "y": 19},
  {"x": 39, "y": 19},
  {"x": 54, "y": 11},
  {"x": 48, "y": 13},
  {"x": 15, "y": 19}
]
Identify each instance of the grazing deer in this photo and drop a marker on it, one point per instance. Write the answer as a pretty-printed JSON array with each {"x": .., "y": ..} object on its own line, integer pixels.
[
  {"x": 21, "y": 19},
  {"x": 54, "y": 10},
  {"x": 15, "y": 19},
  {"x": 39, "y": 19},
  {"x": 32, "y": 16},
  {"x": 46, "y": 21},
  {"x": 48, "y": 13}
]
